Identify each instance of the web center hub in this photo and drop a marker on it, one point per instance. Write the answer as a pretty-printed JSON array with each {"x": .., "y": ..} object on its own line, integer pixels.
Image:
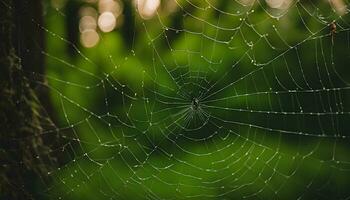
[{"x": 195, "y": 103}]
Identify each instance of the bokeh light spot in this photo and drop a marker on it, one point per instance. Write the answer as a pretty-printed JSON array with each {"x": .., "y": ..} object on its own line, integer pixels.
[
  {"x": 106, "y": 22},
  {"x": 87, "y": 22},
  {"x": 89, "y": 38},
  {"x": 147, "y": 8}
]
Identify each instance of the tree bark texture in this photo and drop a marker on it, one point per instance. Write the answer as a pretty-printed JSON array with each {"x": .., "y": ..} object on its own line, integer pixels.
[{"x": 24, "y": 153}]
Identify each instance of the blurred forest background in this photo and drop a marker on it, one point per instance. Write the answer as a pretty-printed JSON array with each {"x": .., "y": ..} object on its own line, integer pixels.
[{"x": 175, "y": 99}]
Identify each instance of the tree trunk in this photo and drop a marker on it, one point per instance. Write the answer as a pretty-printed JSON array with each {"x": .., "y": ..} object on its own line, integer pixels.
[{"x": 23, "y": 150}]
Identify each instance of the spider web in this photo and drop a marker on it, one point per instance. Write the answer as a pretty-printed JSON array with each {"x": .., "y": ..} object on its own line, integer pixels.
[{"x": 232, "y": 99}]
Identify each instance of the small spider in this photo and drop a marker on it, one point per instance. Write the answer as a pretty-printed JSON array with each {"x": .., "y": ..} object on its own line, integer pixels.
[
  {"x": 195, "y": 103},
  {"x": 333, "y": 30}
]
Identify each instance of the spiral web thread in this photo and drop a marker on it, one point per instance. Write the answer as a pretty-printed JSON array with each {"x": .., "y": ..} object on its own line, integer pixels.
[{"x": 234, "y": 100}]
